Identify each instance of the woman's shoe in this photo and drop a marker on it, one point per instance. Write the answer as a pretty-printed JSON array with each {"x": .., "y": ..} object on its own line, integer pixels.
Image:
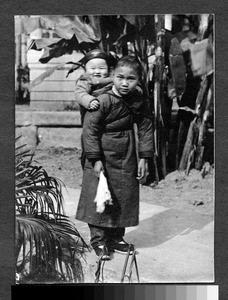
[
  {"x": 120, "y": 246},
  {"x": 102, "y": 252}
]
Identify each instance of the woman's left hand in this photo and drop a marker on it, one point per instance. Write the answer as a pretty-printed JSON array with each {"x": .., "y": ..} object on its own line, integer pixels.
[
  {"x": 98, "y": 167},
  {"x": 141, "y": 168}
]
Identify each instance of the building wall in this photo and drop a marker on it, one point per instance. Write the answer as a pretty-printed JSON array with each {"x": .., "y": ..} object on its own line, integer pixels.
[
  {"x": 52, "y": 119},
  {"x": 55, "y": 92}
]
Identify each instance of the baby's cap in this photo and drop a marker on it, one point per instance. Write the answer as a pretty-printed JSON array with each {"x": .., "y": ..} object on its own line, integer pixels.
[{"x": 97, "y": 53}]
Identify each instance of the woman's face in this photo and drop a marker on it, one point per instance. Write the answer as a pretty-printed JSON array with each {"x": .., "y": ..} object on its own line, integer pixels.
[
  {"x": 97, "y": 67},
  {"x": 125, "y": 80}
]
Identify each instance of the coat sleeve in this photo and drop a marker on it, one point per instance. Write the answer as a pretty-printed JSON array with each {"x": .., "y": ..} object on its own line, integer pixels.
[
  {"x": 99, "y": 83},
  {"x": 145, "y": 136},
  {"x": 82, "y": 92},
  {"x": 93, "y": 127}
]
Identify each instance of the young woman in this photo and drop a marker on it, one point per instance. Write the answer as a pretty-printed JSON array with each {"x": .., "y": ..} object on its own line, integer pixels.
[{"x": 109, "y": 144}]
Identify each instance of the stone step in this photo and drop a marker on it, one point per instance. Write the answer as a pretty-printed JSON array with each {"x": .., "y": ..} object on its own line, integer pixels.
[
  {"x": 49, "y": 137},
  {"x": 49, "y": 129},
  {"x": 48, "y": 118},
  {"x": 54, "y": 105}
]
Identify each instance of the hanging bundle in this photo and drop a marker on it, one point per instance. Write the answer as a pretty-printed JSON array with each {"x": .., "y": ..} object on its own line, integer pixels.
[{"x": 103, "y": 195}]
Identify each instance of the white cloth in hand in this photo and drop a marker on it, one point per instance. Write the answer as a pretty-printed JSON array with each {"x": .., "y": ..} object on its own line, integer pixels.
[{"x": 103, "y": 195}]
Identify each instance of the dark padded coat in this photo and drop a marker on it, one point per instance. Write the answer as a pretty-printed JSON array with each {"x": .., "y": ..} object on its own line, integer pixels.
[{"x": 108, "y": 135}]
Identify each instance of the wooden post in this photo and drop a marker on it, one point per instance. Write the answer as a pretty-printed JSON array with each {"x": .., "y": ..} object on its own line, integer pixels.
[
  {"x": 23, "y": 50},
  {"x": 17, "y": 66}
]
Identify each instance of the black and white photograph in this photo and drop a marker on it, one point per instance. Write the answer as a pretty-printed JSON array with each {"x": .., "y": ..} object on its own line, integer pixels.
[{"x": 114, "y": 148}]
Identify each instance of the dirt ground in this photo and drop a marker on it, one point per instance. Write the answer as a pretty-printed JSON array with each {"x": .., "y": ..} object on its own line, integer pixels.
[{"x": 187, "y": 193}]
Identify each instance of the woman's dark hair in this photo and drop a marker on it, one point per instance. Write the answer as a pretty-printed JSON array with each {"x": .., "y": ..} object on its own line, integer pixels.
[{"x": 131, "y": 62}]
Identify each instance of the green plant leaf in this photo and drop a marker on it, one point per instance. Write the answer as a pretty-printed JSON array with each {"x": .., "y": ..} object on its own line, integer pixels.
[{"x": 45, "y": 236}]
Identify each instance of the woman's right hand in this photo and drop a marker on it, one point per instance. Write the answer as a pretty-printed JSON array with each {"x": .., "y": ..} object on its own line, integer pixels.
[{"x": 98, "y": 167}]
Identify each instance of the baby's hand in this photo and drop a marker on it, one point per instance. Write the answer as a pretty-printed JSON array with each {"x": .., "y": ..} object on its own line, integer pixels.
[{"x": 94, "y": 104}]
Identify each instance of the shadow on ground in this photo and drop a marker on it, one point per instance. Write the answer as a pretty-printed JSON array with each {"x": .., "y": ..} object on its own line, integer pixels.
[{"x": 164, "y": 226}]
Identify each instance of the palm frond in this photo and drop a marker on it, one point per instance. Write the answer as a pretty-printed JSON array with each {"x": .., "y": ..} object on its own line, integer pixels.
[
  {"x": 47, "y": 242},
  {"x": 40, "y": 242},
  {"x": 44, "y": 75},
  {"x": 20, "y": 154}
]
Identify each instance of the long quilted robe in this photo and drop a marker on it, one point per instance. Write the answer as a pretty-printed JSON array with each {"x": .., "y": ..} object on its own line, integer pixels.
[{"x": 108, "y": 135}]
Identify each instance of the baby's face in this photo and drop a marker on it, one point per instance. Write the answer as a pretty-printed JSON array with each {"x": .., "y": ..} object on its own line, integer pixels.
[{"x": 97, "y": 67}]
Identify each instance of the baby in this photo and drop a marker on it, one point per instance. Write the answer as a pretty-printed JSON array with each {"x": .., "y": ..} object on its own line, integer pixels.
[{"x": 95, "y": 81}]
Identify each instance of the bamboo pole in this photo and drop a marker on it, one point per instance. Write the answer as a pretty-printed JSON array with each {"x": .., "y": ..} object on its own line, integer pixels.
[
  {"x": 179, "y": 139},
  {"x": 159, "y": 97},
  {"x": 193, "y": 137},
  {"x": 202, "y": 129},
  {"x": 188, "y": 145}
]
